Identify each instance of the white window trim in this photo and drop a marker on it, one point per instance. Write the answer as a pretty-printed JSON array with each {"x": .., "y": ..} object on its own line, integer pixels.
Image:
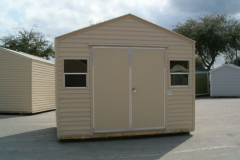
[
  {"x": 75, "y": 74},
  {"x": 182, "y": 73},
  {"x": 179, "y": 85}
]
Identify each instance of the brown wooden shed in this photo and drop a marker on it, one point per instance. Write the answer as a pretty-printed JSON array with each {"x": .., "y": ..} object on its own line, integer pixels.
[
  {"x": 27, "y": 83},
  {"x": 124, "y": 77}
]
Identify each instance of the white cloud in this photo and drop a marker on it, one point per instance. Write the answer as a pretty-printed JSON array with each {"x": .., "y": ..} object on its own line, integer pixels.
[
  {"x": 57, "y": 17},
  {"x": 219, "y": 61}
]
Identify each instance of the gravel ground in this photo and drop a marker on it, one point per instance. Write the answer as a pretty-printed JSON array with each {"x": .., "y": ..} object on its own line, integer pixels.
[{"x": 217, "y": 137}]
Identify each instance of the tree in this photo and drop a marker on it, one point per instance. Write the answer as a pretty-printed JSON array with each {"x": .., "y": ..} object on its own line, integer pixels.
[
  {"x": 233, "y": 61},
  {"x": 230, "y": 57},
  {"x": 214, "y": 34},
  {"x": 28, "y": 41},
  {"x": 237, "y": 62},
  {"x": 199, "y": 63}
]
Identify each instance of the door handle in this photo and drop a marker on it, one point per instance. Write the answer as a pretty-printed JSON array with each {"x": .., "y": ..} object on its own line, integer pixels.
[{"x": 134, "y": 90}]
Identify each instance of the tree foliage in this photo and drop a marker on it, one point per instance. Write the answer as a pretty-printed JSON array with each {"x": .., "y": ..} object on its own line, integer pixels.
[
  {"x": 233, "y": 61},
  {"x": 237, "y": 62},
  {"x": 28, "y": 41},
  {"x": 214, "y": 34},
  {"x": 199, "y": 63},
  {"x": 230, "y": 57}
]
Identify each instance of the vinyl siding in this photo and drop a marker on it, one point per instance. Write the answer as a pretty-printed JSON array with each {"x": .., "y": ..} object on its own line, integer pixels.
[
  {"x": 74, "y": 105},
  {"x": 15, "y": 83},
  {"x": 180, "y": 105},
  {"x": 43, "y": 86},
  {"x": 225, "y": 82}
]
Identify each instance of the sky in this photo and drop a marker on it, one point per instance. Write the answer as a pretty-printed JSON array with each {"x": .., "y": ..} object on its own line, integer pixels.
[{"x": 57, "y": 17}]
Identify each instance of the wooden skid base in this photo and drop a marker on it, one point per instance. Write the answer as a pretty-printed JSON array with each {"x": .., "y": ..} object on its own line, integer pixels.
[{"x": 124, "y": 134}]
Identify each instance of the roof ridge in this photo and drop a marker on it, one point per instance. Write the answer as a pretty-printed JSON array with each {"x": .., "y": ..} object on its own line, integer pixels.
[
  {"x": 230, "y": 65},
  {"x": 26, "y": 55},
  {"x": 124, "y": 16}
]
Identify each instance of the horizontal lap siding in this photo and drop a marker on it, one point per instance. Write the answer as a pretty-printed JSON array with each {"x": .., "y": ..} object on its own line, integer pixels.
[
  {"x": 74, "y": 113},
  {"x": 225, "y": 82},
  {"x": 180, "y": 105},
  {"x": 15, "y": 83},
  {"x": 43, "y": 86},
  {"x": 74, "y": 105}
]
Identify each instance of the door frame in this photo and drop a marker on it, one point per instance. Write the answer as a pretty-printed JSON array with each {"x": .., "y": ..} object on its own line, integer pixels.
[{"x": 130, "y": 89}]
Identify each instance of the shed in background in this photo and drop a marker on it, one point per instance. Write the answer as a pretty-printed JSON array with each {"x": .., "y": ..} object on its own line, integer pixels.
[
  {"x": 202, "y": 82},
  {"x": 225, "y": 81},
  {"x": 27, "y": 83}
]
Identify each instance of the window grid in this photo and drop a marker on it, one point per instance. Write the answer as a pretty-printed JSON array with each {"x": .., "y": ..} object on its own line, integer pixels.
[
  {"x": 181, "y": 68},
  {"x": 78, "y": 77}
]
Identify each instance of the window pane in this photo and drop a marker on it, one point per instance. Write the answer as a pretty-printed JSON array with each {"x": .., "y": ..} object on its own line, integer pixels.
[
  {"x": 179, "y": 66},
  {"x": 75, "y": 80},
  {"x": 179, "y": 79},
  {"x": 75, "y": 66}
]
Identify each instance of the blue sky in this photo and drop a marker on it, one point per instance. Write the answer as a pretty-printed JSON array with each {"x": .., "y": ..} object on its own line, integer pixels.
[{"x": 56, "y": 17}]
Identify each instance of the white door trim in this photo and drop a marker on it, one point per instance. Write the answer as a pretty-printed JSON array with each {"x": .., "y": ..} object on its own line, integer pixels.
[{"x": 130, "y": 89}]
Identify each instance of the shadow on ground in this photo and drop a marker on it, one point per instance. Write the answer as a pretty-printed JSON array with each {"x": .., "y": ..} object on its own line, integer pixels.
[
  {"x": 13, "y": 115},
  {"x": 215, "y": 98},
  {"x": 43, "y": 144},
  {"x": 7, "y": 116}
]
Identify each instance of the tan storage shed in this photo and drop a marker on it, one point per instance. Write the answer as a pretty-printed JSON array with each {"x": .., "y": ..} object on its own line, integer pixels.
[
  {"x": 27, "y": 83},
  {"x": 124, "y": 77}
]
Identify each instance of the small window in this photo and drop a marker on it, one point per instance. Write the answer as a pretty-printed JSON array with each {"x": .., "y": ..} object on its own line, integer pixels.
[
  {"x": 75, "y": 73},
  {"x": 179, "y": 73}
]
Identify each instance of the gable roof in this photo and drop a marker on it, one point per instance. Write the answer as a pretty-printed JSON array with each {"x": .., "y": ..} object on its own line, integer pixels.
[
  {"x": 29, "y": 56},
  {"x": 226, "y": 65},
  {"x": 124, "y": 17}
]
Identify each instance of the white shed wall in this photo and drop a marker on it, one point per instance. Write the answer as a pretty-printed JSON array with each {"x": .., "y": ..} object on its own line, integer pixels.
[{"x": 225, "y": 82}]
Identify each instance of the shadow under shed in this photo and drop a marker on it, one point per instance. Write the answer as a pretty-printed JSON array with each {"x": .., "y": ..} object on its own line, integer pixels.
[{"x": 43, "y": 144}]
